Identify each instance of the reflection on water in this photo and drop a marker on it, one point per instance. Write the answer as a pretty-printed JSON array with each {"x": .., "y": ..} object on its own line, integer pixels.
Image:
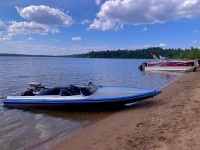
[
  {"x": 23, "y": 129},
  {"x": 159, "y": 79},
  {"x": 29, "y": 128}
]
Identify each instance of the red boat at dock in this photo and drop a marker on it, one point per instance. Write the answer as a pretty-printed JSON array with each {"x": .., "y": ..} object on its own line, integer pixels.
[{"x": 164, "y": 64}]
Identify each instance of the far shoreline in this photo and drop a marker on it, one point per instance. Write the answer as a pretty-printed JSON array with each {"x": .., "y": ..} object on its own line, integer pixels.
[{"x": 46, "y": 56}]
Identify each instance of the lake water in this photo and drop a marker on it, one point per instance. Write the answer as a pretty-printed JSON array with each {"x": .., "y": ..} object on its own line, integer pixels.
[{"x": 21, "y": 129}]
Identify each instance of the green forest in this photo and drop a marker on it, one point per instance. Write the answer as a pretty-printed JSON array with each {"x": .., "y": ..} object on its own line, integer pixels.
[
  {"x": 193, "y": 53},
  {"x": 171, "y": 53}
]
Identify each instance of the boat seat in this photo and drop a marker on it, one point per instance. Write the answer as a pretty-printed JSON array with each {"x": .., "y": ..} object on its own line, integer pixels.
[
  {"x": 51, "y": 91},
  {"x": 27, "y": 93},
  {"x": 74, "y": 89},
  {"x": 89, "y": 89},
  {"x": 65, "y": 92}
]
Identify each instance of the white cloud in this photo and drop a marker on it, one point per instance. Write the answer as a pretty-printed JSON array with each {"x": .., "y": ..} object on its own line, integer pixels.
[
  {"x": 145, "y": 29},
  {"x": 21, "y": 47},
  {"x": 98, "y": 2},
  {"x": 24, "y": 28},
  {"x": 45, "y": 15},
  {"x": 30, "y": 38},
  {"x": 76, "y": 38},
  {"x": 114, "y": 14},
  {"x": 147, "y": 46},
  {"x": 162, "y": 45},
  {"x": 44, "y": 20},
  {"x": 194, "y": 41},
  {"x": 54, "y": 30},
  {"x": 5, "y": 38},
  {"x": 103, "y": 25},
  {"x": 85, "y": 21},
  {"x": 77, "y": 49},
  {"x": 29, "y": 28},
  {"x": 3, "y": 27}
]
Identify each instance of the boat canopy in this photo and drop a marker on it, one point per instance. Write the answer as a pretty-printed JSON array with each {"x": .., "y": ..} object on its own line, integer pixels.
[
  {"x": 152, "y": 53},
  {"x": 161, "y": 59}
]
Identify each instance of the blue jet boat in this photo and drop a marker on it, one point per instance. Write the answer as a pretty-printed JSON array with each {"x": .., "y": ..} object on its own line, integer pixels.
[{"x": 74, "y": 95}]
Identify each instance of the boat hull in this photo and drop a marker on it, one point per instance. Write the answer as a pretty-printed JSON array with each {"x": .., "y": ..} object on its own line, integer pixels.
[
  {"x": 104, "y": 96},
  {"x": 184, "y": 66},
  {"x": 183, "y": 69}
]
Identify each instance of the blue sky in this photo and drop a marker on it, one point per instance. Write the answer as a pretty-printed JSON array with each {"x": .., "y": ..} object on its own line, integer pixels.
[{"x": 62, "y": 27}]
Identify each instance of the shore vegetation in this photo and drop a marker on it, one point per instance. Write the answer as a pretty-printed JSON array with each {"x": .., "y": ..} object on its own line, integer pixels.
[
  {"x": 171, "y": 53},
  {"x": 193, "y": 53}
]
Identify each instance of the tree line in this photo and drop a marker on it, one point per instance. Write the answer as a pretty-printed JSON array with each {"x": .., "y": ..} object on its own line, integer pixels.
[{"x": 193, "y": 53}]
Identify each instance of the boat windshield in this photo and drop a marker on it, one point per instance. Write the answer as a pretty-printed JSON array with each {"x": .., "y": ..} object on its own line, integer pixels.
[{"x": 89, "y": 89}]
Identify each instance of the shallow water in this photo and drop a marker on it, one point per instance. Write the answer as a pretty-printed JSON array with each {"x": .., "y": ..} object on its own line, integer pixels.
[{"x": 21, "y": 129}]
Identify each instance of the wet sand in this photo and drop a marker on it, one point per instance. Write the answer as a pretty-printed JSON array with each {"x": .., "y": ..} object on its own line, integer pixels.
[{"x": 169, "y": 121}]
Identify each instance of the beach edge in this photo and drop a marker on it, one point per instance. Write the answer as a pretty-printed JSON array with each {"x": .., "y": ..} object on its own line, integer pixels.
[{"x": 168, "y": 121}]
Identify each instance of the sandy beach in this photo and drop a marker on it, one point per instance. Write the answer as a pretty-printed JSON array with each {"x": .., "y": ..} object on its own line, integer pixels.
[{"x": 169, "y": 121}]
